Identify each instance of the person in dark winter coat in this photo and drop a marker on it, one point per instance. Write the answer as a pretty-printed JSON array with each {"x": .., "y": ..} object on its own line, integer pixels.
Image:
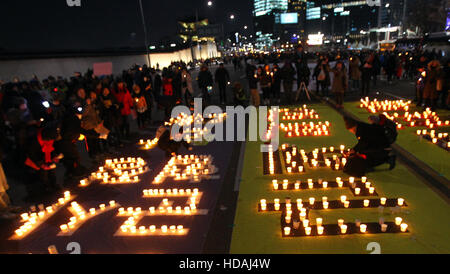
[
  {"x": 222, "y": 77},
  {"x": 322, "y": 76},
  {"x": 276, "y": 83},
  {"x": 205, "y": 83},
  {"x": 340, "y": 83},
  {"x": 70, "y": 133},
  {"x": 366, "y": 74},
  {"x": 167, "y": 144},
  {"x": 371, "y": 150},
  {"x": 288, "y": 74}
]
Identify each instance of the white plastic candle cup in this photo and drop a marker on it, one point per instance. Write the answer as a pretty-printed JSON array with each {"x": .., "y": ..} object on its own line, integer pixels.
[
  {"x": 398, "y": 220},
  {"x": 320, "y": 230},
  {"x": 319, "y": 221},
  {"x": 403, "y": 227},
  {"x": 343, "y": 229},
  {"x": 384, "y": 227},
  {"x": 308, "y": 230},
  {"x": 287, "y": 230},
  {"x": 305, "y": 223},
  {"x": 383, "y": 201},
  {"x": 363, "y": 228}
]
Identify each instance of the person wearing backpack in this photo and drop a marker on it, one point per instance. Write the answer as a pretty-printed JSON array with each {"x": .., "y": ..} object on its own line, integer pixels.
[{"x": 372, "y": 149}]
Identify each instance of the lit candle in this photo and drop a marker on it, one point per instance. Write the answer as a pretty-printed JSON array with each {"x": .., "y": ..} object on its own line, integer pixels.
[
  {"x": 398, "y": 220},
  {"x": 383, "y": 201},
  {"x": 371, "y": 190},
  {"x": 320, "y": 230},
  {"x": 319, "y": 221},
  {"x": 384, "y": 227},
  {"x": 308, "y": 230},
  {"x": 346, "y": 204},
  {"x": 288, "y": 219},
  {"x": 366, "y": 203},
  {"x": 311, "y": 201},
  {"x": 343, "y": 198},
  {"x": 287, "y": 230},
  {"x": 325, "y": 205},
  {"x": 400, "y": 201},
  {"x": 343, "y": 229},
  {"x": 340, "y": 222},
  {"x": 403, "y": 227},
  {"x": 305, "y": 223},
  {"x": 357, "y": 191},
  {"x": 64, "y": 228},
  {"x": 363, "y": 228}
]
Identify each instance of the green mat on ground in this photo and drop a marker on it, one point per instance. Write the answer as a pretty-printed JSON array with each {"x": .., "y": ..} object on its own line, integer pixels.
[
  {"x": 254, "y": 232},
  {"x": 429, "y": 153}
]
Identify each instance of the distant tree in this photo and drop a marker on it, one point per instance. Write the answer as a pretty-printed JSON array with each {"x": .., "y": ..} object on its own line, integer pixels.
[{"x": 427, "y": 15}]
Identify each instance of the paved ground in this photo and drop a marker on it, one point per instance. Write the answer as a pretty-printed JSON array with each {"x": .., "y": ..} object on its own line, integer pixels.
[{"x": 214, "y": 237}]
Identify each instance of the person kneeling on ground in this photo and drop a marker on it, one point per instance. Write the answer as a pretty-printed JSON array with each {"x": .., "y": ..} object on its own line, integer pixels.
[
  {"x": 167, "y": 144},
  {"x": 372, "y": 149}
]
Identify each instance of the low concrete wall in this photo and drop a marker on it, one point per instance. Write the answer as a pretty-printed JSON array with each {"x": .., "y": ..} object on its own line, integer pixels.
[{"x": 65, "y": 67}]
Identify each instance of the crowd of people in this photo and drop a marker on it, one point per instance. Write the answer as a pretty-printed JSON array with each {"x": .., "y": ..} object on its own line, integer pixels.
[
  {"x": 356, "y": 72},
  {"x": 42, "y": 121}
]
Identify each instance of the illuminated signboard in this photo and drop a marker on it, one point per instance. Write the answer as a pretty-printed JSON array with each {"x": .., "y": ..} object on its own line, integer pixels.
[
  {"x": 315, "y": 39},
  {"x": 289, "y": 18},
  {"x": 313, "y": 13}
]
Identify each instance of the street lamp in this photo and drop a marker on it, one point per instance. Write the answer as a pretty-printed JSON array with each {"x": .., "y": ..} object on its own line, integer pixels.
[
  {"x": 210, "y": 3},
  {"x": 232, "y": 17}
]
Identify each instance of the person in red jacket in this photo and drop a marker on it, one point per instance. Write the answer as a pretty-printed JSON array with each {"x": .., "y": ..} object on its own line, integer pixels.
[
  {"x": 125, "y": 100},
  {"x": 41, "y": 160}
]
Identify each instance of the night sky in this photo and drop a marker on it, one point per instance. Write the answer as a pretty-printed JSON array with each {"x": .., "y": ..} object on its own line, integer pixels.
[{"x": 105, "y": 24}]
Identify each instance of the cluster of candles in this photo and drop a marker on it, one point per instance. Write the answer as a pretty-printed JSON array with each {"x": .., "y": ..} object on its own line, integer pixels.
[
  {"x": 386, "y": 105},
  {"x": 427, "y": 118},
  {"x": 185, "y": 121},
  {"x": 325, "y": 202},
  {"x": 34, "y": 219},
  {"x": 271, "y": 161},
  {"x": 187, "y": 167},
  {"x": 435, "y": 138},
  {"x": 298, "y": 113},
  {"x": 291, "y": 165},
  {"x": 121, "y": 171},
  {"x": 81, "y": 215},
  {"x": 164, "y": 209},
  {"x": 306, "y": 129},
  {"x": 148, "y": 144},
  {"x": 130, "y": 227}
]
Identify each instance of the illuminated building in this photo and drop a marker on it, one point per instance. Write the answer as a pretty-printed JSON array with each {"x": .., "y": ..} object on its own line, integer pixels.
[{"x": 267, "y": 20}]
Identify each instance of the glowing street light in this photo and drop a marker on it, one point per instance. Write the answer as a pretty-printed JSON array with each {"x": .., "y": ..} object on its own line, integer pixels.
[
  {"x": 210, "y": 3},
  {"x": 232, "y": 17}
]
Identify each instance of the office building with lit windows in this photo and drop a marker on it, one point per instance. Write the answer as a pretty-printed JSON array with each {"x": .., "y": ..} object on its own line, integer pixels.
[{"x": 267, "y": 16}]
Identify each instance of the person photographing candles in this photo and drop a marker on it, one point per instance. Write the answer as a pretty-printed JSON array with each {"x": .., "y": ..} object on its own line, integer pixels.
[{"x": 372, "y": 149}]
